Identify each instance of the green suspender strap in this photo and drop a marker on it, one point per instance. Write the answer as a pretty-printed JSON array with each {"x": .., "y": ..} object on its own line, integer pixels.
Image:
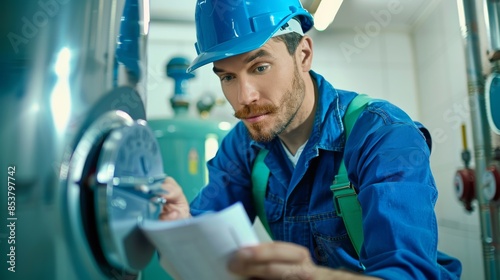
[
  {"x": 345, "y": 197},
  {"x": 260, "y": 176}
]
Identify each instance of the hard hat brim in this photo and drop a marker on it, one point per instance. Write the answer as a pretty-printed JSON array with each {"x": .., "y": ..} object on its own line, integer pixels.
[{"x": 249, "y": 43}]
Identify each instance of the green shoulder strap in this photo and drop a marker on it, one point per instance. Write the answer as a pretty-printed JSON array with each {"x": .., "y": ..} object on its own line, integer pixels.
[
  {"x": 260, "y": 176},
  {"x": 345, "y": 197}
]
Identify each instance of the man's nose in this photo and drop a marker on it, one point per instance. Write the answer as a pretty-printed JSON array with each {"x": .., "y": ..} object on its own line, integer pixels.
[{"x": 247, "y": 92}]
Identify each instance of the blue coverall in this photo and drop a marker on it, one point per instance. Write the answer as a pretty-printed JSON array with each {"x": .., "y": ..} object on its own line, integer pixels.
[{"x": 387, "y": 160}]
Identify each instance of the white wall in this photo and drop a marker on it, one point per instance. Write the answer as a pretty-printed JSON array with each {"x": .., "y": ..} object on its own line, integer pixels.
[
  {"x": 382, "y": 67},
  {"x": 442, "y": 85},
  {"x": 421, "y": 70}
]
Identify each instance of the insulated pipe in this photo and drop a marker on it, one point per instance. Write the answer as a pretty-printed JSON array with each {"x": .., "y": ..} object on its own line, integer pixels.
[
  {"x": 493, "y": 11},
  {"x": 482, "y": 141}
]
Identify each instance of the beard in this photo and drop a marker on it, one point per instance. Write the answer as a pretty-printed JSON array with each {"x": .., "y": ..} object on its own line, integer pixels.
[{"x": 280, "y": 116}]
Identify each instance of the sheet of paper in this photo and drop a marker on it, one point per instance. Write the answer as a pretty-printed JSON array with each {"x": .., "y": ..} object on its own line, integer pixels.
[{"x": 199, "y": 248}]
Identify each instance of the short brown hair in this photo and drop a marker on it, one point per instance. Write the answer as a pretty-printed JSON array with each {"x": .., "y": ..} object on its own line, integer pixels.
[{"x": 291, "y": 41}]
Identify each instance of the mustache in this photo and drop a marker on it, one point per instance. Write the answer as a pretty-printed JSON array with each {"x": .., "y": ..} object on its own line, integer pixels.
[{"x": 255, "y": 110}]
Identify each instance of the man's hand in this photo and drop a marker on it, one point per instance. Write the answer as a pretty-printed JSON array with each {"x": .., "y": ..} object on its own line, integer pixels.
[
  {"x": 283, "y": 261},
  {"x": 177, "y": 206},
  {"x": 277, "y": 260}
]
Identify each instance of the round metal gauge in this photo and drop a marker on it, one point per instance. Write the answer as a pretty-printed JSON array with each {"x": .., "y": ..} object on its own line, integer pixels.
[
  {"x": 128, "y": 190},
  {"x": 491, "y": 184}
]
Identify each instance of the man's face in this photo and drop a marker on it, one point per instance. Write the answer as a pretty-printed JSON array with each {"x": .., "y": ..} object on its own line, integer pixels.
[{"x": 264, "y": 87}]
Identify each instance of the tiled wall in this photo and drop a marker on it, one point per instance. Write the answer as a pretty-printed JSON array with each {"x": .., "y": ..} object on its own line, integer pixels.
[
  {"x": 442, "y": 86},
  {"x": 383, "y": 68},
  {"x": 422, "y": 70}
]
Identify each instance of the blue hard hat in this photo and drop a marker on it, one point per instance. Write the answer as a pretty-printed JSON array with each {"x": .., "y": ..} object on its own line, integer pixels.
[{"x": 225, "y": 28}]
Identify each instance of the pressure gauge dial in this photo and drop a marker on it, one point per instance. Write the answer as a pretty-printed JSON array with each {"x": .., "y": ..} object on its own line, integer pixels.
[
  {"x": 128, "y": 190},
  {"x": 491, "y": 184}
]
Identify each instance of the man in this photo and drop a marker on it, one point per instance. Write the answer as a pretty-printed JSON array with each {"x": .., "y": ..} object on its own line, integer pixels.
[{"x": 263, "y": 60}]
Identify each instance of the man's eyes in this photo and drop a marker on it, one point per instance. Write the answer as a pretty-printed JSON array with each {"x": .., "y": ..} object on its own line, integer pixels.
[
  {"x": 258, "y": 69},
  {"x": 261, "y": 68},
  {"x": 226, "y": 78}
]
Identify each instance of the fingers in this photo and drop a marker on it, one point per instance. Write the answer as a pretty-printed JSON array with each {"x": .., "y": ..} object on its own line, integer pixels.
[
  {"x": 171, "y": 187},
  {"x": 174, "y": 193},
  {"x": 280, "y": 271},
  {"x": 277, "y": 260},
  {"x": 276, "y": 251},
  {"x": 170, "y": 215},
  {"x": 177, "y": 206}
]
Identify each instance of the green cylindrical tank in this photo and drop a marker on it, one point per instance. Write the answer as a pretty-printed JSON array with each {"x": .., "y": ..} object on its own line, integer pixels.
[{"x": 186, "y": 143}]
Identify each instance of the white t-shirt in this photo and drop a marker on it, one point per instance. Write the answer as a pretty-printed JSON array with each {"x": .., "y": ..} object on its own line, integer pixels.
[{"x": 293, "y": 158}]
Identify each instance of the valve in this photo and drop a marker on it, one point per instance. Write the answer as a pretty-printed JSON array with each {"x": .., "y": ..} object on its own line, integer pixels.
[
  {"x": 464, "y": 180},
  {"x": 464, "y": 187},
  {"x": 176, "y": 69}
]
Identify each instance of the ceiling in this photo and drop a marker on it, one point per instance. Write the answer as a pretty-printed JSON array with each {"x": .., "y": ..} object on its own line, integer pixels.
[{"x": 403, "y": 14}]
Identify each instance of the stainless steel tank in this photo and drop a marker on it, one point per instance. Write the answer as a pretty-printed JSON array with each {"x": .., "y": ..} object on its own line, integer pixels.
[{"x": 79, "y": 165}]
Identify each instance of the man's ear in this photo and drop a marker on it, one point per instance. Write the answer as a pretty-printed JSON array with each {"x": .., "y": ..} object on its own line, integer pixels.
[{"x": 305, "y": 53}]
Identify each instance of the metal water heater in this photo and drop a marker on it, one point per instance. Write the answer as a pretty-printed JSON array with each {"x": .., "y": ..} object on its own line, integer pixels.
[{"x": 80, "y": 165}]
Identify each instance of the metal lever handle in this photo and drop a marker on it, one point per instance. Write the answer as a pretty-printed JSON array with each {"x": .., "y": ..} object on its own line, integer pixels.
[
  {"x": 148, "y": 187},
  {"x": 130, "y": 181}
]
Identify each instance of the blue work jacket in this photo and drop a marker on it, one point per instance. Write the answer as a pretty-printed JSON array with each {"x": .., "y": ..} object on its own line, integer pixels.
[{"x": 387, "y": 160}]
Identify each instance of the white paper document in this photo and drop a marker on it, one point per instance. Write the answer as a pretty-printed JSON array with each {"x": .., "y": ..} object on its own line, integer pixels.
[{"x": 199, "y": 247}]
